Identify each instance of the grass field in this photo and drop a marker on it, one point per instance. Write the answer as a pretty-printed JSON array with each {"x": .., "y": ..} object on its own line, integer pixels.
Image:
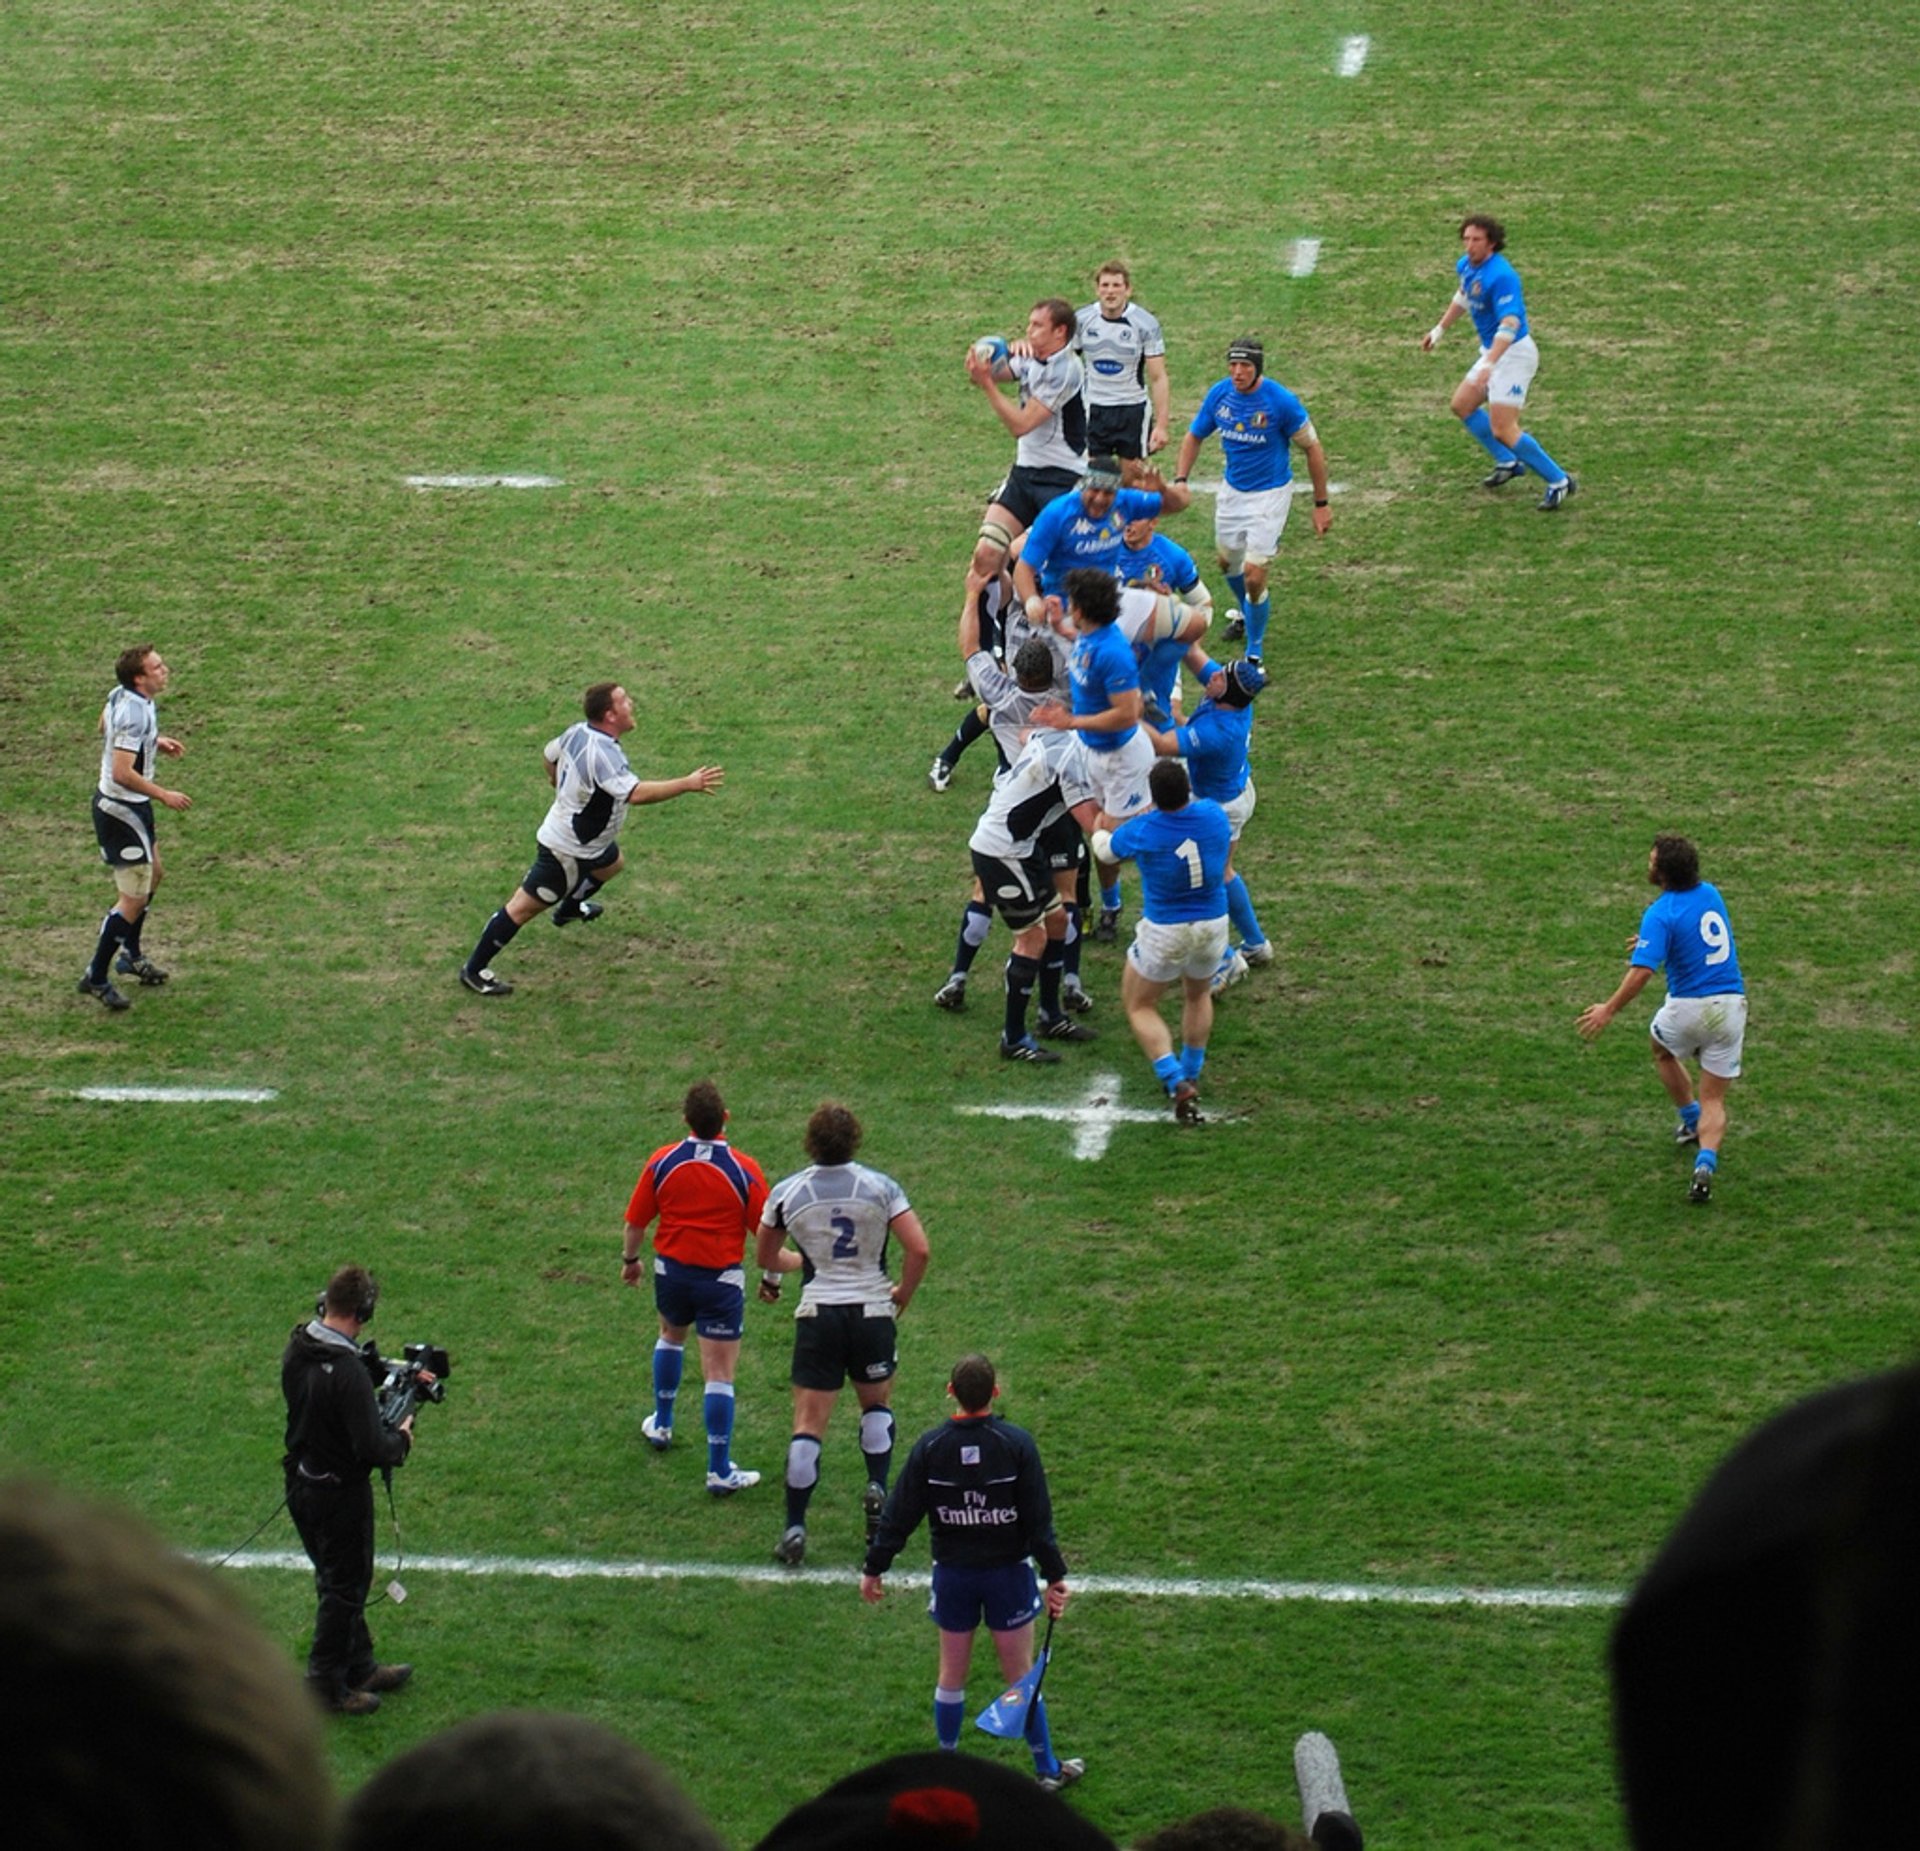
[{"x": 1434, "y": 1311}]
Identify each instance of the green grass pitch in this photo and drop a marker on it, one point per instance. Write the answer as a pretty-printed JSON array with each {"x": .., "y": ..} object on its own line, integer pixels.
[{"x": 1434, "y": 1311}]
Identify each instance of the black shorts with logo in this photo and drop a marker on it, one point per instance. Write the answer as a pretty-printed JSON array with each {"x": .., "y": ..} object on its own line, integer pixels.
[{"x": 841, "y": 1343}]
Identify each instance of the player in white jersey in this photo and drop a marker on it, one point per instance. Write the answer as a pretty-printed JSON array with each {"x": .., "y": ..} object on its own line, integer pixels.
[
  {"x": 130, "y": 744},
  {"x": 1009, "y": 702},
  {"x": 1124, "y": 353},
  {"x": 578, "y": 844},
  {"x": 832, "y": 1223},
  {"x": 1048, "y": 423},
  {"x": 1021, "y": 864}
]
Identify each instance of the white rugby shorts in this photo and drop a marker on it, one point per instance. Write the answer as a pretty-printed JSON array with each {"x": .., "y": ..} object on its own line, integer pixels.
[
  {"x": 1192, "y": 948},
  {"x": 1251, "y": 521},
  {"x": 1118, "y": 779},
  {"x": 1709, "y": 1029},
  {"x": 1240, "y": 809},
  {"x": 1514, "y": 374}
]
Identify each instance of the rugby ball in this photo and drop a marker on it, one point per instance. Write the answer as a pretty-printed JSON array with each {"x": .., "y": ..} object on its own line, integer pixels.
[{"x": 991, "y": 350}]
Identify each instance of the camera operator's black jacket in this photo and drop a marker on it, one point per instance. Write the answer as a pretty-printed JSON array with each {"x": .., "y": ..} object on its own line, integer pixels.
[{"x": 333, "y": 1421}]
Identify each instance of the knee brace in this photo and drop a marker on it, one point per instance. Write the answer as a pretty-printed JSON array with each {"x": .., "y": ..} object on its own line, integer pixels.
[
  {"x": 976, "y": 924},
  {"x": 997, "y": 535},
  {"x": 803, "y": 1461},
  {"x": 876, "y": 1430}
]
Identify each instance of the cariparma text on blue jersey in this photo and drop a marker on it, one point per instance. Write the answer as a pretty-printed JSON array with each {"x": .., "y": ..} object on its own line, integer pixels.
[
  {"x": 1065, "y": 537},
  {"x": 1255, "y": 430}
]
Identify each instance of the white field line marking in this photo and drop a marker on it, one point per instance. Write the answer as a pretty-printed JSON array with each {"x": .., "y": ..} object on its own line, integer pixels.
[
  {"x": 485, "y": 482},
  {"x": 1302, "y": 255},
  {"x": 1094, "y": 1119},
  {"x": 1353, "y": 55},
  {"x": 179, "y": 1095},
  {"x": 1214, "y": 488},
  {"x": 1150, "y": 1587}
]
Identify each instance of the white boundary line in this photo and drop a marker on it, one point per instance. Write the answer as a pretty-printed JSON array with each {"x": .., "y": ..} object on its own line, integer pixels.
[
  {"x": 1353, "y": 56},
  {"x": 179, "y": 1095},
  {"x": 1303, "y": 256},
  {"x": 485, "y": 482},
  {"x": 1150, "y": 1587}
]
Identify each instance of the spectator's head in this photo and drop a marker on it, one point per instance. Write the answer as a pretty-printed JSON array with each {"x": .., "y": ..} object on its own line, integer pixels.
[
  {"x": 1763, "y": 1669},
  {"x": 922, "y": 1801},
  {"x": 1225, "y": 1828},
  {"x": 141, "y": 1706},
  {"x": 524, "y": 1780}
]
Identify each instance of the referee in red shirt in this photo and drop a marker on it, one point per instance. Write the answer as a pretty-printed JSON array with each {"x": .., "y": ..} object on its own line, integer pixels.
[{"x": 707, "y": 1198}]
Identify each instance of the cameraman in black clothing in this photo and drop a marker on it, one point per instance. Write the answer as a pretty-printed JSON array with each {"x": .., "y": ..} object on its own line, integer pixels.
[{"x": 334, "y": 1440}]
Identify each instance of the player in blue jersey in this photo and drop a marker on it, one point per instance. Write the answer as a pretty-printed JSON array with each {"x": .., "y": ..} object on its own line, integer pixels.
[
  {"x": 1149, "y": 561},
  {"x": 1182, "y": 846},
  {"x": 577, "y": 847},
  {"x": 1214, "y": 743},
  {"x": 979, "y": 1483},
  {"x": 1705, "y": 1015},
  {"x": 1258, "y": 422},
  {"x": 1087, "y": 527},
  {"x": 1106, "y": 711},
  {"x": 1488, "y": 400}
]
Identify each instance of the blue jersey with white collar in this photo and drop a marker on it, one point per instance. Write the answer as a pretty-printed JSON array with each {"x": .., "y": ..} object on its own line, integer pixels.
[
  {"x": 1256, "y": 429},
  {"x": 1182, "y": 856},
  {"x": 1065, "y": 537},
  {"x": 1492, "y": 290},
  {"x": 1689, "y": 933}
]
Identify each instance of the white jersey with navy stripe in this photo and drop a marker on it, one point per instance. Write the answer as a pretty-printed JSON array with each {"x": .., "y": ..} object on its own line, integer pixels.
[
  {"x": 591, "y": 782},
  {"x": 1059, "y": 383},
  {"x": 838, "y": 1215},
  {"x": 128, "y": 723},
  {"x": 1115, "y": 353},
  {"x": 1049, "y": 776}
]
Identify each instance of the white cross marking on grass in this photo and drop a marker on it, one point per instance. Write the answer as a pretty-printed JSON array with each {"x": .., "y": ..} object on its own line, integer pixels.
[
  {"x": 1094, "y": 1119},
  {"x": 1302, "y": 255},
  {"x": 1353, "y": 55},
  {"x": 1152, "y": 1587},
  {"x": 179, "y": 1095},
  {"x": 485, "y": 482}
]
